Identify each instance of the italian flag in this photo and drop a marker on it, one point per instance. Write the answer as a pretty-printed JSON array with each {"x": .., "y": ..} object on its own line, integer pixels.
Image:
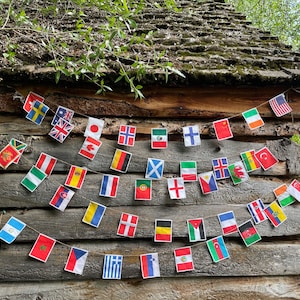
[{"x": 188, "y": 170}]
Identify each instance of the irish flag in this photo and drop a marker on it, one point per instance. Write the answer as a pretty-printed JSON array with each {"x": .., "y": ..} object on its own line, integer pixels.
[{"x": 253, "y": 119}]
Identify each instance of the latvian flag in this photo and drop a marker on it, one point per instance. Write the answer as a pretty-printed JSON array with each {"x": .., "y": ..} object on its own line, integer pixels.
[
  {"x": 109, "y": 186},
  {"x": 46, "y": 163}
]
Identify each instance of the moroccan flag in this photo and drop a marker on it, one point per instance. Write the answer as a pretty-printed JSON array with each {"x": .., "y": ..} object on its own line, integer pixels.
[
  {"x": 176, "y": 188},
  {"x": 163, "y": 231},
  {"x": 250, "y": 161},
  {"x": 183, "y": 259},
  {"x": 109, "y": 185},
  {"x": 94, "y": 214},
  {"x": 76, "y": 177},
  {"x": 20, "y": 146},
  {"x": 222, "y": 129},
  {"x": 76, "y": 261},
  {"x": 191, "y": 136},
  {"x": 238, "y": 172},
  {"x": 208, "y": 182},
  {"x": 143, "y": 189},
  {"x": 61, "y": 198},
  {"x": 8, "y": 155},
  {"x": 150, "y": 265},
  {"x": 266, "y": 159},
  {"x": 159, "y": 138},
  {"x": 188, "y": 170},
  {"x": 30, "y": 99},
  {"x": 275, "y": 214},
  {"x": 127, "y": 225},
  {"x": 89, "y": 148},
  {"x": 33, "y": 179},
  {"x": 253, "y": 118},
  {"x": 249, "y": 233},
  {"x": 126, "y": 135},
  {"x": 257, "y": 211},
  {"x": 196, "y": 230},
  {"x": 11, "y": 230},
  {"x": 279, "y": 105},
  {"x": 283, "y": 196},
  {"x": 94, "y": 128},
  {"x": 42, "y": 247},
  {"x": 37, "y": 113},
  {"x": 228, "y": 222},
  {"x": 46, "y": 163},
  {"x": 121, "y": 161},
  {"x": 217, "y": 249},
  {"x": 294, "y": 189}
]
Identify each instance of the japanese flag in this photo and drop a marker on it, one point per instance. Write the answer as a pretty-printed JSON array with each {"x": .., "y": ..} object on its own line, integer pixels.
[{"x": 94, "y": 128}]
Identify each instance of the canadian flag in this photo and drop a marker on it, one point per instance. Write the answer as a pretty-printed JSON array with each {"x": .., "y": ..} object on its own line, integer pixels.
[
  {"x": 90, "y": 148},
  {"x": 94, "y": 128}
]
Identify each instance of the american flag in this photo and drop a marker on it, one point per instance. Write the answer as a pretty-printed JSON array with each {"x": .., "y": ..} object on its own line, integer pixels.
[
  {"x": 62, "y": 112},
  {"x": 279, "y": 106},
  {"x": 61, "y": 130}
]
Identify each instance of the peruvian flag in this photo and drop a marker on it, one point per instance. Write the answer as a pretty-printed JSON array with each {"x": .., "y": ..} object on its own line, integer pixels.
[{"x": 46, "y": 163}]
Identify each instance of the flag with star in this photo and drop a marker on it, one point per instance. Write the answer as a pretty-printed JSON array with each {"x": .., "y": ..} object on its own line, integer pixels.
[
  {"x": 61, "y": 130},
  {"x": 11, "y": 230},
  {"x": 62, "y": 112},
  {"x": 294, "y": 189},
  {"x": 42, "y": 247},
  {"x": 196, "y": 230},
  {"x": 208, "y": 182},
  {"x": 222, "y": 129}
]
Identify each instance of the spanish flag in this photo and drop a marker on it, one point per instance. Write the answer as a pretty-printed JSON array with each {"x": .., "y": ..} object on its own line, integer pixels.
[
  {"x": 163, "y": 231},
  {"x": 76, "y": 177}
]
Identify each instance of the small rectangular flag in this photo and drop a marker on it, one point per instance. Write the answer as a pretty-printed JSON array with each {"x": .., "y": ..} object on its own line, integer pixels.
[
  {"x": 188, "y": 170},
  {"x": 20, "y": 146},
  {"x": 33, "y": 178},
  {"x": 222, "y": 129},
  {"x": 294, "y": 189},
  {"x": 283, "y": 196},
  {"x": 94, "y": 128},
  {"x": 159, "y": 138},
  {"x": 120, "y": 161},
  {"x": 42, "y": 247},
  {"x": 61, "y": 130},
  {"x": 176, "y": 188},
  {"x": 30, "y": 99},
  {"x": 38, "y": 112},
  {"x": 184, "y": 259},
  {"x": 228, "y": 222},
  {"x": 61, "y": 198},
  {"x": 196, "y": 230},
  {"x": 266, "y": 159},
  {"x": 191, "y": 136},
  {"x": 46, "y": 163},
  {"x": 253, "y": 118},
  {"x": 220, "y": 168},
  {"x": 126, "y": 135},
  {"x": 11, "y": 230},
  {"x": 163, "y": 231},
  {"x": 127, "y": 225},
  {"x": 112, "y": 266},
  {"x": 76, "y": 260},
  {"x": 250, "y": 161},
  {"x": 109, "y": 186},
  {"x": 279, "y": 105},
  {"x": 76, "y": 177},
  {"x": 238, "y": 172},
  {"x": 150, "y": 265},
  {"x": 275, "y": 214},
  {"x": 143, "y": 189},
  {"x": 257, "y": 211},
  {"x": 208, "y": 182},
  {"x": 90, "y": 148},
  {"x": 155, "y": 168},
  {"x": 249, "y": 233},
  {"x": 217, "y": 249},
  {"x": 94, "y": 214},
  {"x": 8, "y": 155},
  {"x": 62, "y": 112}
]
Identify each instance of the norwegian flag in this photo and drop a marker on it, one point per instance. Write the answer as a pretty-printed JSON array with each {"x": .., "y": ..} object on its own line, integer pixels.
[
  {"x": 90, "y": 148},
  {"x": 127, "y": 225},
  {"x": 46, "y": 163},
  {"x": 126, "y": 135},
  {"x": 61, "y": 130}
]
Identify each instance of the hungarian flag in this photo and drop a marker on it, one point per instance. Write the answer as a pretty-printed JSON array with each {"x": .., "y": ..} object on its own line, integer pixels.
[
  {"x": 42, "y": 247},
  {"x": 76, "y": 177},
  {"x": 188, "y": 170},
  {"x": 8, "y": 155},
  {"x": 33, "y": 179},
  {"x": 127, "y": 225},
  {"x": 222, "y": 129},
  {"x": 238, "y": 172},
  {"x": 61, "y": 198},
  {"x": 228, "y": 222},
  {"x": 94, "y": 128},
  {"x": 150, "y": 265},
  {"x": 143, "y": 189},
  {"x": 126, "y": 135},
  {"x": 163, "y": 231},
  {"x": 253, "y": 118},
  {"x": 90, "y": 148},
  {"x": 283, "y": 196},
  {"x": 266, "y": 159},
  {"x": 217, "y": 249},
  {"x": 11, "y": 230},
  {"x": 176, "y": 188},
  {"x": 279, "y": 105},
  {"x": 76, "y": 261},
  {"x": 250, "y": 161},
  {"x": 46, "y": 163},
  {"x": 294, "y": 189},
  {"x": 109, "y": 185},
  {"x": 220, "y": 168},
  {"x": 159, "y": 138},
  {"x": 196, "y": 230},
  {"x": 20, "y": 146},
  {"x": 120, "y": 161},
  {"x": 249, "y": 233},
  {"x": 62, "y": 112},
  {"x": 191, "y": 136},
  {"x": 208, "y": 182},
  {"x": 275, "y": 214},
  {"x": 31, "y": 97},
  {"x": 38, "y": 112},
  {"x": 94, "y": 214},
  {"x": 257, "y": 211},
  {"x": 155, "y": 168},
  {"x": 183, "y": 259}
]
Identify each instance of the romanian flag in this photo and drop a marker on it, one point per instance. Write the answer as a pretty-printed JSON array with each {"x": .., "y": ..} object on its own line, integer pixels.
[
  {"x": 121, "y": 161},
  {"x": 143, "y": 189},
  {"x": 250, "y": 161},
  {"x": 275, "y": 214},
  {"x": 75, "y": 177},
  {"x": 163, "y": 231},
  {"x": 94, "y": 214}
]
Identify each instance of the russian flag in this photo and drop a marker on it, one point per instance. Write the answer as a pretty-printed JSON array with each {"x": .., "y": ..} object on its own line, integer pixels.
[{"x": 76, "y": 260}]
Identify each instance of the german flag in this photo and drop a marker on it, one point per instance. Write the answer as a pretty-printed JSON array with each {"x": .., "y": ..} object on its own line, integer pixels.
[
  {"x": 163, "y": 231},
  {"x": 121, "y": 161}
]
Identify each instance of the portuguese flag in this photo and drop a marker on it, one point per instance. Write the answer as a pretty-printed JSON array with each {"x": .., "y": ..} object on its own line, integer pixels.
[{"x": 143, "y": 189}]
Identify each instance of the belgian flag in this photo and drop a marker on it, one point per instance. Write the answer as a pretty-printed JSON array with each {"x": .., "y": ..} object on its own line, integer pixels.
[{"x": 163, "y": 231}]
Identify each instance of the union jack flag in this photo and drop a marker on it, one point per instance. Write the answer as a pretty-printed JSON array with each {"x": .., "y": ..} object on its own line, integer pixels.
[{"x": 61, "y": 130}]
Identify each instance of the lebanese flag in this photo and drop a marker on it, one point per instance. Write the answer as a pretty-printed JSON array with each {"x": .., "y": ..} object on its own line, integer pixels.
[
  {"x": 90, "y": 148},
  {"x": 46, "y": 163},
  {"x": 184, "y": 259},
  {"x": 42, "y": 247},
  {"x": 266, "y": 159}
]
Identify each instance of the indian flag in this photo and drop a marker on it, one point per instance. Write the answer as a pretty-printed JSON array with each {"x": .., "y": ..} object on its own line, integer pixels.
[
  {"x": 283, "y": 196},
  {"x": 253, "y": 119}
]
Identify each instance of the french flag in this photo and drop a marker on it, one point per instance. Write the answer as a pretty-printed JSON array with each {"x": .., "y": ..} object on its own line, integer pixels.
[
  {"x": 228, "y": 222},
  {"x": 109, "y": 186},
  {"x": 76, "y": 260}
]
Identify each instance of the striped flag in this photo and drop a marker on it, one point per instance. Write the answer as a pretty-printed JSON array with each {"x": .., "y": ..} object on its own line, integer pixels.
[
  {"x": 143, "y": 189},
  {"x": 159, "y": 138},
  {"x": 61, "y": 198},
  {"x": 11, "y": 230},
  {"x": 127, "y": 225},
  {"x": 121, "y": 161},
  {"x": 94, "y": 214},
  {"x": 112, "y": 266},
  {"x": 191, "y": 136},
  {"x": 283, "y": 196},
  {"x": 184, "y": 259},
  {"x": 8, "y": 155},
  {"x": 217, "y": 249},
  {"x": 46, "y": 163},
  {"x": 163, "y": 231},
  {"x": 256, "y": 209},
  {"x": 275, "y": 214},
  {"x": 30, "y": 99},
  {"x": 250, "y": 161},
  {"x": 76, "y": 260},
  {"x": 188, "y": 170},
  {"x": 20, "y": 146},
  {"x": 196, "y": 230},
  {"x": 76, "y": 177},
  {"x": 249, "y": 233},
  {"x": 33, "y": 178},
  {"x": 253, "y": 118},
  {"x": 62, "y": 112},
  {"x": 294, "y": 189},
  {"x": 37, "y": 113},
  {"x": 228, "y": 222},
  {"x": 150, "y": 265},
  {"x": 89, "y": 148},
  {"x": 176, "y": 188},
  {"x": 42, "y": 247},
  {"x": 279, "y": 105},
  {"x": 109, "y": 186}
]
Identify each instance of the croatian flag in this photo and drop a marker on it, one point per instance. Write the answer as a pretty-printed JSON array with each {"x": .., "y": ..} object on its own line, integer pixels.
[{"x": 76, "y": 261}]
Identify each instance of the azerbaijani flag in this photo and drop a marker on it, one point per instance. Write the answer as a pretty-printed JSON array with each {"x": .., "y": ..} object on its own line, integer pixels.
[{"x": 217, "y": 249}]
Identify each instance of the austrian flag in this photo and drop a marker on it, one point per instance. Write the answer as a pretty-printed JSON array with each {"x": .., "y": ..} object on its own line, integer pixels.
[
  {"x": 184, "y": 259},
  {"x": 127, "y": 225}
]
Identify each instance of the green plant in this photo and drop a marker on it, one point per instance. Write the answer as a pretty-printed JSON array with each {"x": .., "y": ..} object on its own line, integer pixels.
[{"x": 296, "y": 138}]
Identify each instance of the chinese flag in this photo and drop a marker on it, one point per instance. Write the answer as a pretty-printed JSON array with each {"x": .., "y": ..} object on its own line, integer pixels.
[{"x": 222, "y": 129}]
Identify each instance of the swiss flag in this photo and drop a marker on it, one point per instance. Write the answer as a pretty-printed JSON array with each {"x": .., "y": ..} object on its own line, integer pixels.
[
  {"x": 266, "y": 159},
  {"x": 90, "y": 148},
  {"x": 31, "y": 97}
]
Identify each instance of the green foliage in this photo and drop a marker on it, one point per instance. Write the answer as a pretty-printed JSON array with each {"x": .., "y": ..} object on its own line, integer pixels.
[
  {"x": 296, "y": 138},
  {"x": 280, "y": 17}
]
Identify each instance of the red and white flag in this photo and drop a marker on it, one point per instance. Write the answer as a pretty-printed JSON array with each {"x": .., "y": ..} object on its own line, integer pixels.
[
  {"x": 266, "y": 159},
  {"x": 31, "y": 97},
  {"x": 46, "y": 163},
  {"x": 90, "y": 148},
  {"x": 222, "y": 129},
  {"x": 294, "y": 189},
  {"x": 127, "y": 225},
  {"x": 184, "y": 259},
  {"x": 94, "y": 128},
  {"x": 176, "y": 188}
]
